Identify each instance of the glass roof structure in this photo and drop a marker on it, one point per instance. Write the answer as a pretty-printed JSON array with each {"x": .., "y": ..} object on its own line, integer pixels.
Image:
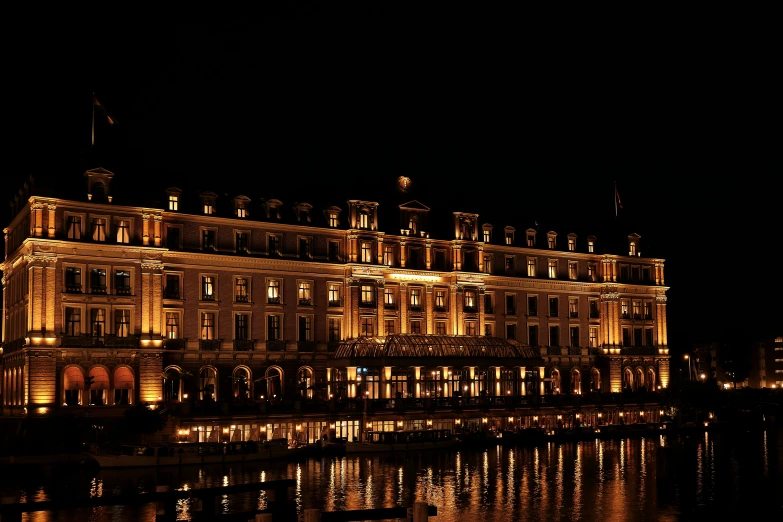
[{"x": 449, "y": 346}]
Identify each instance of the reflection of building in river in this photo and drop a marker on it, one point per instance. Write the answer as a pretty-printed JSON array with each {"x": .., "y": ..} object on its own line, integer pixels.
[{"x": 226, "y": 309}]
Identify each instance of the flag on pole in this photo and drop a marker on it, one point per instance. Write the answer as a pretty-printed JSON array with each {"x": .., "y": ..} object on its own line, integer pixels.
[
  {"x": 109, "y": 119},
  {"x": 617, "y": 204}
]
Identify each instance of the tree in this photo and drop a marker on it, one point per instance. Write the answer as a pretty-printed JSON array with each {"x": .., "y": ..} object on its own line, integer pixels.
[{"x": 143, "y": 420}]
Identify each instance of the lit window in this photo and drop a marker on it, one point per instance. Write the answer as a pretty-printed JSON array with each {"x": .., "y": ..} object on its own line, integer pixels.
[
  {"x": 123, "y": 231},
  {"x": 470, "y": 328},
  {"x": 592, "y": 273},
  {"x": 591, "y": 246},
  {"x": 388, "y": 297},
  {"x": 208, "y": 209},
  {"x": 367, "y": 294},
  {"x": 388, "y": 255},
  {"x": 415, "y": 297},
  {"x": 509, "y": 238},
  {"x": 593, "y": 337},
  {"x": 571, "y": 244},
  {"x": 531, "y": 268},
  {"x": 470, "y": 299},
  {"x": 122, "y": 323},
  {"x": 99, "y": 229},
  {"x": 488, "y": 264},
  {"x": 366, "y": 252},
  {"x": 304, "y": 293},
  {"x": 573, "y": 307},
  {"x": 624, "y": 309},
  {"x": 412, "y": 224},
  {"x": 208, "y": 326},
  {"x": 486, "y": 236},
  {"x": 632, "y": 249},
  {"x": 173, "y": 202},
  {"x": 364, "y": 220},
  {"x": 333, "y": 220},
  {"x": 551, "y": 241},
  {"x": 242, "y": 294},
  {"x": 74, "y": 227},
  {"x": 572, "y": 269},
  {"x": 440, "y": 299},
  {"x": 334, "y": 295},
  {"x": 207, "y": 288},
  {"x": 552, "y": 268},
  {"x": 273, "y": 292},
  {"x": 73, "y": 321},
  {"x": 241, "y": 212},
  {"x": 531, "y": 239},
  {"x": 172, "y": 325}
]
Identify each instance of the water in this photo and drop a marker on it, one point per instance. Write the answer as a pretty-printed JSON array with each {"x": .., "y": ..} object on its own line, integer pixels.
[{"x": 716, "y": 474}]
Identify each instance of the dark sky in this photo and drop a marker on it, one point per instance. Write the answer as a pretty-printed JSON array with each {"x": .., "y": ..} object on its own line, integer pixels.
[{"x": 479, "y": 119}]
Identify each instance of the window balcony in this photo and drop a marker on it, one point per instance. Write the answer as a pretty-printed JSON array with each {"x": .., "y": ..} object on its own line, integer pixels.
[
  {"x": 595, "y": 315},
  {"x": 275, "y": 345},
  {"x": 443, "y": 309},
  {"x": 174, "y": 344},
  {"x": 334, "y": 303},
  {"x": 172, "y": 293},
  {"x": 305, "y": 302},
  {"x": 115, "y": 341},
  {"x": 414, "y": 308},
  {"x": 625, "y": 316},
  {"x": 207, "y": 297},
  {"x": 98, "y": 289},
  {"x": 511, "y": 311},
  {"x": 470, "y": 309},
  {"x": 89, "y": 341},
  {"x": 125, "y": 290},
  {"x": 648, "y": 317},
  {"x": 244, "y": 345},
  {"x": 209, "y": 345},
  {"x": 73, "y": 288},
  {"x": 573, "y": 315},
  {"x": 273, "y": 300},
  {"x": 305, "y": 346},
  {"x": 637, "y": 316},
  {"x": 389, "y": 306},
  {"x": 242, "y": 298}
]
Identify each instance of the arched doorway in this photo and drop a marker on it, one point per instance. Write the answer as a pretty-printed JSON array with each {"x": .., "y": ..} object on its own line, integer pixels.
[
  {"x": 595, "y": 380},
  {"x": 173, "y": 384},
  {"x": 304, "y": 382},
  {"x": 274, "y": 382},
  {"x": 627, "y": 380},
  {"x": 123, "y": 386},
  {"x": 639, "y": 379},
  {"x": 207, "y": 382},
  {"x": 556, "y": 384},
  {"x": 73, "y": 384},
  {"x": 651, "y": 381},
  {"x": 241, "y": 383},
  {"x": 100, "y": 386},
  {"x": 576, "y": 382}
]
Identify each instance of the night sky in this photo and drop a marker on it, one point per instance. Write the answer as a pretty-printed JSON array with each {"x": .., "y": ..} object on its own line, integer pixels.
[{"x": 478, "y": 120}]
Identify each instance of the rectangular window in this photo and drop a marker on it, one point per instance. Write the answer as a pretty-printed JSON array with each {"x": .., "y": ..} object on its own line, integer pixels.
[
  {"x": 208, "y": 325},
  {"x": 574, "y": 330},
  {"x": 388, "y": 255},
  {"x": 648, "y": 337},
  {"x": 274, "y": 245},
  {"x": 486, "y": 236},
  {"x": 531, "y": 267},
  {"x": 333, "y": 221},
  {"x": 489, "y": 307},
  {"x": 637, "y": 336},
  {"x": 242, "y": 242},
  {"x": 572, "y": 270},
  {"x": 509, "y": 266},
  {"x": 626, "y": 336},
  {"x": 304, "y": 248},
  {"x": 368, "y": 327},
  {"x": 553, "y": 307},
  {"x": 207, "y": 288},
  {"x": 364, "y": 220},
  {"x": 334, "y": 294},
  {"x": 532, "y": 335},
  {"x": 591, "y": 246},
  {"x": 488, "y": 330},
  {"x": 532, "y": 305},
  {"x": 98, "y": 322},
  {"x": 172, "y": 286},
  {"x": 637, "y": 309},
  {"x": 511, "y": 304},
  {"x": 594, "y": 310},
  {"x": 531, "y": 240},
  {"x": 367, "y": 252},
  {"x": 624, "y": 272},
  {"x": 305, "y": 293},
  {"x": 334, "y": 329},
  {"x": 73, "y": 321},
  {"x": 208, "y": 240},
  {"x": 416, "y": 327},
  {"x": 593, "y": 337},
  {"x": 388, "y": 326},
  {"x": 122, "y": 323},
  {"x": 440, "y": 328},
  {"x": 635, "y": 273},
  {"x": 367, "y": 295},
  {"x": 273, "y": 328},
  {"x": 648, "y": 310},
  {"x": 646, "y": 274},
  {"x": 98, "y": 229},
  {"x": 592, "y": 273},
  {"x": 74, "y": 227},
  {"x": 172, "y": 325},
  {"x": 273, "y": 292},
  {"x": 625, "y": 313},
  {"x": 571, "y": 244},
  {"x": 415, "y": 297},
  {"x": 73, "y": 280},
  {"x": 552, "y": 268},
  {"x": 208, "y": 208},
  {"x": 334, "y": 251},
  {"x": 488, "y": 264},
  {"x": 551, "y": 241},
  {"x": 241, "y": 212},
  {"x": 123, "y": 231},
  {"x": 470, "y": 327},
  {"x": 173, "y": 202},
  {"x": 554, "y": 336},
  {"x": 509, "y": 238},
  {"x": 98, "y": 281},
  {"x": 242, "y": 295},
  {"x": 511, "y": 331},
  {"x": 388, "y": 298},
  {"x": 470, "y": 299},
  {"x": 305, "y": 328},
  {"x": 440, "y": 299},
  {"x": 122, "y": 285},
  {"x": 440, "y": 260},
  {"x": 573, "y": 307}
]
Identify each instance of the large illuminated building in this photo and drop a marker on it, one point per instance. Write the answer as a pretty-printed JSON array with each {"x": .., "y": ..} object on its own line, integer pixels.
[{"x": 108, "y": 305}]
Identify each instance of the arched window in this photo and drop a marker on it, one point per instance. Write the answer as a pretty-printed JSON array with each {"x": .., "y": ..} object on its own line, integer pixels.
[
  {"x": 274, "y": 382},
  {"x": 595, "y": 380},
  {"x": 207, "y": 381},
  {"x": 304, "y": 382},
  {"x": 73, "y": 384},
  {"x": 627, "y": 380},
  {"x": 241, "y": 381},
  {"x": 100, "y": 386},
  {"x": 639, "y": 379},
  {"x": 123, "y": 386},
  {"x": 556, "y": 385},
  {"x": 651, "y": 382},
  {"x": 172, "y": 384},
  {"x": 576, "y": 382}
]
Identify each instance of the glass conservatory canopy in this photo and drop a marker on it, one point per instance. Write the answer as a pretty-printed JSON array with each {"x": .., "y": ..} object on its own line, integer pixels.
[{"x": 444, "y": 346}]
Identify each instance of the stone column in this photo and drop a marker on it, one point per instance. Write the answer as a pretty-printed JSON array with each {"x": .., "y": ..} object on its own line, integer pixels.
[
  {"x": 453, "y": 310},
  {"x": 660, "y": 321},
  {"x": 429, "y": 311},
  {"x": 428, "y": 254},
  {"x": 480, "y": 297},
  {"x": 402, "y": 253},
  {"x": 51, "y": 221},
  {"x": 460, "y": 310},
  {"x": 403, "y": 308},
  {"x": 457, "y": 255},
  {"x": 352, "y": 306},
  {"x": 158, "y": 219},
  {"x": 36, "y": 219},
  {"x": 380, "y": 285}
]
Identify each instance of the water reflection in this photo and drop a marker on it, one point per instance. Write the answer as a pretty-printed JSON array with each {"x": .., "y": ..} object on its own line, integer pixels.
[{"x": 587, "y": 481}]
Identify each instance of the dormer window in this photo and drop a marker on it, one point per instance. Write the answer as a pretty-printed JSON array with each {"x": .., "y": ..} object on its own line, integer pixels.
[
  {"x": 487, "y": 233},
  {"x": 571, "y": 242},
  {"x": 632, "y": 249},
  {"x": 551, "y": 239},
  {"x": 364, "y": 219},
  {"x": 633, "y": 245},
  {"x": 241, "y": 212},
  {"x": 208, "y": 203},
  {"x": 173, "y": 202},
  {"x": 333, "y": 217},
  {"x": 272, "y": 208},
  {"x": 240, "y": 206},
  {"x": 413, "y": 221},
  {"x": 303, "y": 211},
  {"x": 591, "y": 244},
  {"x": 509, "y": 235},
  {"x": 531, "y": 237}
]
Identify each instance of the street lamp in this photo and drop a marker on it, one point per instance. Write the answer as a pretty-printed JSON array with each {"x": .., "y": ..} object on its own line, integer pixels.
[
  {"x": 688, "y": 358},
  {"x": 703, "y": 376}
]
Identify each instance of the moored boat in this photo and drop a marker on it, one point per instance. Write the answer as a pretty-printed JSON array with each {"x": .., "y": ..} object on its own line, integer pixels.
[{"x": 188, "y": 453}]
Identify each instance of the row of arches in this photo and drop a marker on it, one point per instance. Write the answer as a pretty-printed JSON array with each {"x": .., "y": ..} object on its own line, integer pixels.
[
  {"x": 98, "y": 386},
  {"x": 241, "y": 383},
  {"x": 634, "y": 379}
]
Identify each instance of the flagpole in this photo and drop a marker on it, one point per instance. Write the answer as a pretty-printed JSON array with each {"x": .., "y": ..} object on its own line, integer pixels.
[{"x": 93, "y": 119}]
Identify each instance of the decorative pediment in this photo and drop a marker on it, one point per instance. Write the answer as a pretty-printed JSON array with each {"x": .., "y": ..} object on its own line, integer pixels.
[{"x": 414, "y": 205}]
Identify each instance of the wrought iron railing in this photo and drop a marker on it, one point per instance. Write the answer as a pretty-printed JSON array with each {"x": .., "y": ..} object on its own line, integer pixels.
[
  {"x": 244, "y": 345},
  {"x": 174, "y": 344},
  {"x": 275, "y": 345},
  {"x": 209, "y": 344},
  {"x": 305, "y": 346}
]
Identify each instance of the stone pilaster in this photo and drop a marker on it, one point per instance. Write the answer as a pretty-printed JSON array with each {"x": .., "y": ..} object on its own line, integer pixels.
[{"x": 404, "y": 308}]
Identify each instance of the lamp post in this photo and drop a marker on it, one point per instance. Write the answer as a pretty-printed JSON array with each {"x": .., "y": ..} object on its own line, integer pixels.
[
  {"x": 688, "y": 358},
  {"x": 703, "y": 376}
]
